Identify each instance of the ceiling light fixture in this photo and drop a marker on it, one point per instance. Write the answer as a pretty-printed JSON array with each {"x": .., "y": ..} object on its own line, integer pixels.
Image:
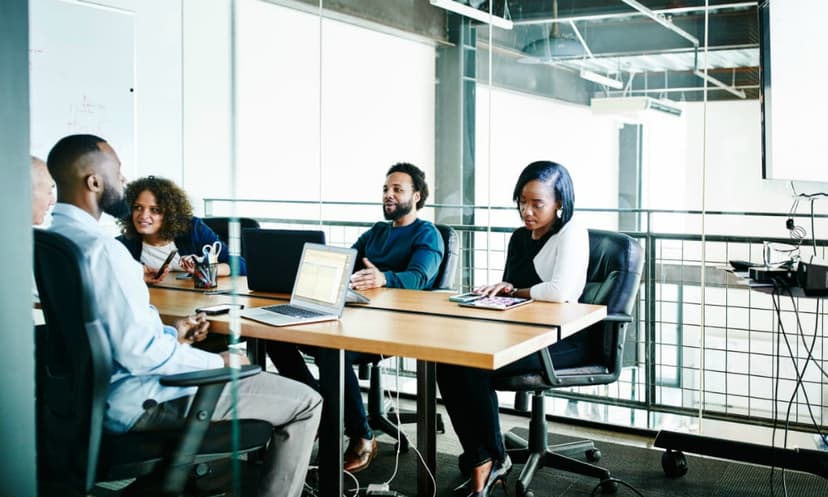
[
  {"x": 601, "y": 80},
  {"x": 472, "y": 13},
  {"x": 556, "y": 46}
]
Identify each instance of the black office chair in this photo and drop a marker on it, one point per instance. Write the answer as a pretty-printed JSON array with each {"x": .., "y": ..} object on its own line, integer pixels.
[
  {"x": 73, "y": 372},
  {"x": 381, "y": 416},
  {"x": 613, "y": 276},
  {"x": 221, "y": 226}
]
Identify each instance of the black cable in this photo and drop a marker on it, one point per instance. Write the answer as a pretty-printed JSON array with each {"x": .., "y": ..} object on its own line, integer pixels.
[
  {"x": 810, "y": 357},
  {"x": 812, "y": 195},
  {"x": 813, "y": 233},
  {"x": 800, "y": 375},
  {"x": 774, "y": 413},
  {"x": 614, "y": 480}
]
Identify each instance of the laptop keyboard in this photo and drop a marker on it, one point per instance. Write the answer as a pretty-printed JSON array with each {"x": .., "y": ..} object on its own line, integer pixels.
[{"x": 292, "y": 311}]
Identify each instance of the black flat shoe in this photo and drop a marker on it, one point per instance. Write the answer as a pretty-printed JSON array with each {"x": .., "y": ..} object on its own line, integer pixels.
[{"x": 497, "y": 475}]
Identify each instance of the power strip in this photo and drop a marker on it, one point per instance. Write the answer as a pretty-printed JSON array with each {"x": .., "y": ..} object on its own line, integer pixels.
[{"x": 380, "y": 490}]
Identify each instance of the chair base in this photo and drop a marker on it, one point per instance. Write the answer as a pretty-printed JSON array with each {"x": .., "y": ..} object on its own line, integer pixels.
[{"x": 536, "y": 453}]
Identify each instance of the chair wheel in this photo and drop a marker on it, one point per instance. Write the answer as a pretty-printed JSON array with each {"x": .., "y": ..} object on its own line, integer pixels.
[
  {"x": 674, "y": 463},
  {"x": 593, "y": 455},
  {"x": 609, "y": 487}
]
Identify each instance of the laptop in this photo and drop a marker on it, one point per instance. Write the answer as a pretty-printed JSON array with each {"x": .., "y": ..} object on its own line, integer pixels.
[
  {"x": 319, "y": 291},
  {"x": 273, "y": 256}
]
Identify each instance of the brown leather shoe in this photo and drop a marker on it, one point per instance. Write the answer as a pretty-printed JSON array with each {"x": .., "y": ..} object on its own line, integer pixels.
[{"x": 359, "y": 454}]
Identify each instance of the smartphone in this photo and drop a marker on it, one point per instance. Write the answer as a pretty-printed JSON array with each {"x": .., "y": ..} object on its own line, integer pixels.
[
  {"x": 465, "y": 297},
  {"x": 214, "y": 310},
  {"x": 166, "y": 263}
]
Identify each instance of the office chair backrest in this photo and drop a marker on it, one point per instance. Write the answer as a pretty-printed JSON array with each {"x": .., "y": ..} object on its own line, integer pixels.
[
  {"x": 451, "y": 256},
  {"x": 73, "y": 365},
  {"x": 221, "y": 226},
  {"x": 613, "y": 276},
  {"x": 614, "y": 271}
]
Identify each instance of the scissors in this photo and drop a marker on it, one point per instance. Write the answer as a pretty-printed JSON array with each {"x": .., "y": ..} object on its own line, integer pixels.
[{"x": 212, "y": 251}]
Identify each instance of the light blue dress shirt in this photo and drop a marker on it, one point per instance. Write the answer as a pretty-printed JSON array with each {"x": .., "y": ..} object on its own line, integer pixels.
[{"x": 143, "y": 348}]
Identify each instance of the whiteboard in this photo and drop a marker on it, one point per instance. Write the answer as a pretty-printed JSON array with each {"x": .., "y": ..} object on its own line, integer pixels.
[
  {"x": 793, "y": 43},
  {"x": 82, "y": 68}
]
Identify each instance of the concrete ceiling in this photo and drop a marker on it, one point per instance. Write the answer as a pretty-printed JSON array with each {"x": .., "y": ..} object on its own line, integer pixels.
[
  {"x": 624, "y": 43},
  {"x": 646, "y": 56}
]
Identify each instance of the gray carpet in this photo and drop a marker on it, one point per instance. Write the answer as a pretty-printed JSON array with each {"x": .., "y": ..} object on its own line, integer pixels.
[{"x": 639, "y": 467}]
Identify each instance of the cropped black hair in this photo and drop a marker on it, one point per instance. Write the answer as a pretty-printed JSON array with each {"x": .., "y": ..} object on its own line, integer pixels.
[
  {"x": 417, "y": 177},
  {"x": 67, "y": 151},
  {"x": 557, "y": 178}
]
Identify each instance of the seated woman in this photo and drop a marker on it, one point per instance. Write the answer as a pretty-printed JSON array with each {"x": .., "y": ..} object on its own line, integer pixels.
[
  {"x": 546, "y": 260},
  {"x": 161, "y": 220}
]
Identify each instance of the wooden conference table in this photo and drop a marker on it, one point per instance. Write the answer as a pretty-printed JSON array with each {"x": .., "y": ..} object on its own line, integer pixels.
[{"x": 410, "y": 323}]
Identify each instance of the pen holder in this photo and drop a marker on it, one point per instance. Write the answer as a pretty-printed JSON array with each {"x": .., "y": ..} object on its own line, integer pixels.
[{"x": 205, "y": 274}]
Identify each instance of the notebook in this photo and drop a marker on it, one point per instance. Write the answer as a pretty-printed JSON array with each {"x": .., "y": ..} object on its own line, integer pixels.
[
  {"x": 318, "y": 292},
  {"x": 498, "y": 303},
  {"x": 273, "y": 257}
]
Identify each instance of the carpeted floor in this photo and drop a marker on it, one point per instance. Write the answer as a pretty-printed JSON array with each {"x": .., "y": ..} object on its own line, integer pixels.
[{"x": 637, "y": 466}]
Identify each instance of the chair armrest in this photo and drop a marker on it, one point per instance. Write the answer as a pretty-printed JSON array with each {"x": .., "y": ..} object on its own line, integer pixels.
[
  {"x": 209, "y": 376},
  {"x": 618, "y": 318}
]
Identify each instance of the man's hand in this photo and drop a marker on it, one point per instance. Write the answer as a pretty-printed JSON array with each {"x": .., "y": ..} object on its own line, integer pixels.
[
  {"x": 370, "y": 277},
  {"x": 149, "y": 275},
  {"x": 241, "y": 358},
  {"x": 192, "y": 328}
]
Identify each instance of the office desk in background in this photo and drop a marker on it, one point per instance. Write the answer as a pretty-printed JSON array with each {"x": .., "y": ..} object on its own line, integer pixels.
[
  {"x": 673, "y": 460},
  {"x": 416, "y": 324}
]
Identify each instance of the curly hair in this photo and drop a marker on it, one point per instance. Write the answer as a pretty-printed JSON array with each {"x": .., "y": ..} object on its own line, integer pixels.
[{"x": 171, "y": 200}]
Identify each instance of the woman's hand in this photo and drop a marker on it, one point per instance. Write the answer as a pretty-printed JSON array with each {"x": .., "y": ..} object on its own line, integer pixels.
[
  {"x": 504, "y": 288},
  {"x": 149, "y": 275},
  {"x": 193, "y": 328},
  {"x": 188, "y": 263}
]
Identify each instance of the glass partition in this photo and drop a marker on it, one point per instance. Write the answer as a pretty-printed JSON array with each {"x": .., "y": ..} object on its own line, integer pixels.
[{"x": 291, "y": 111}]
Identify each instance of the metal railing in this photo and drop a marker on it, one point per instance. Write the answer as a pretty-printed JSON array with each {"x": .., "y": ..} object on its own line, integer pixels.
[{"x": 702, "y": 343}]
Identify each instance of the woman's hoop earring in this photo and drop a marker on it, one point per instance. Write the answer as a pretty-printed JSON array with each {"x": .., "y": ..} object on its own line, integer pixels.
[{"x": 559, "y": 213}]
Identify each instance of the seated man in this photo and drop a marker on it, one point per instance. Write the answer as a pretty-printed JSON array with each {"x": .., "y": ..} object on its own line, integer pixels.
[
  {"x": 43, "y": 198},
  {"x": 43, "y": 191},
  {"x": 88, "y": 174},
  {"x": 405, "y": 253}
]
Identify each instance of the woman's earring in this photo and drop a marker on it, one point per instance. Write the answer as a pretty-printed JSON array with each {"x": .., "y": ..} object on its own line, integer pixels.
[{"x": 559, "y": 213}]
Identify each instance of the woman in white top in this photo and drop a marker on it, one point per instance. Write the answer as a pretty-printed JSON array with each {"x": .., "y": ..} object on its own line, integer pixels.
[
  {"x": 546, "y": 260},
  {"x": 161, "y": 220}
]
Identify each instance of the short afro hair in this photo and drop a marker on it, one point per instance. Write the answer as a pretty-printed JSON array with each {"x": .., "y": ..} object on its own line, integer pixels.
[{"x": 417, "y": 178}]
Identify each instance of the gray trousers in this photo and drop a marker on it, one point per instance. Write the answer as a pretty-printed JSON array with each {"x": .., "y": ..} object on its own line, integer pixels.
[{"x": 291, "y": 407}]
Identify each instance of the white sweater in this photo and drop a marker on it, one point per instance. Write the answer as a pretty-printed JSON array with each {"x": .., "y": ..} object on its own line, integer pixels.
[{"x": 562, "y": 264}]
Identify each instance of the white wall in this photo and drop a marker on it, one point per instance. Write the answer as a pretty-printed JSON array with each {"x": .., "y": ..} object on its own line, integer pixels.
[
  {"x": 520, "y": 129},
  {"x": 375, "y": 103}
]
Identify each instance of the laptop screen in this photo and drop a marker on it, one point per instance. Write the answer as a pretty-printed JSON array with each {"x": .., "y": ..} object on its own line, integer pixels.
[{"x": 323, "y": 277}]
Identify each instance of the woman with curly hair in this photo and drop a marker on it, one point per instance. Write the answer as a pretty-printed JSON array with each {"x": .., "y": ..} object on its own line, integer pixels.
[{"x": 161, "y": 220}]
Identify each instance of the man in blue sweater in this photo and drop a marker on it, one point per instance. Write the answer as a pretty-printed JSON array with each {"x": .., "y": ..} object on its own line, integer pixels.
[{"x": 403, "y": 253}]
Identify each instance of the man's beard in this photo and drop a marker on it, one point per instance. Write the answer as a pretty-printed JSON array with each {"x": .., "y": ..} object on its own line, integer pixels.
[
  {"x": 114, "y": 203},
  {"x": 401, "y": 210}
]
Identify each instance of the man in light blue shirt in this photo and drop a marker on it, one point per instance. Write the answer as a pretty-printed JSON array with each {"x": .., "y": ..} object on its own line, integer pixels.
[{"x": 88, "y": 173}]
